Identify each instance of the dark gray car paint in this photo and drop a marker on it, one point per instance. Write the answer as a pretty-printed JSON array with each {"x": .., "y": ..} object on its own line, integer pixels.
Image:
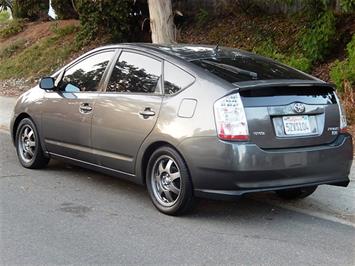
[{"x": 216, "y": 166}]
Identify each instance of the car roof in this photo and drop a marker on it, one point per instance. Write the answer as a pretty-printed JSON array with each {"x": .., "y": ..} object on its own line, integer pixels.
[
  {"x": 184, "y": 51},
  {"x": 190, "y": 52},
  {"x": 183, "y": 54}
]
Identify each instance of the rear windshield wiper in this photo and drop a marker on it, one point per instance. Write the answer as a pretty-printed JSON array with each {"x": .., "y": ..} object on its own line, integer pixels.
[{"x": 230, "y": 68}]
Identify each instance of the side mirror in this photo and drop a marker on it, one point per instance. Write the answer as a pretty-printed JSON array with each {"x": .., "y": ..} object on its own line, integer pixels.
[{"x": 47, "y": 83}]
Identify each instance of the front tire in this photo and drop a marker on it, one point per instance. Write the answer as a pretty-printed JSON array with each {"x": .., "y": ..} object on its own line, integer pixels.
[
  {"x": 296, "y": 193},
  {"x": 168, "y": 182},
  {"x": 28, "y": 146}
]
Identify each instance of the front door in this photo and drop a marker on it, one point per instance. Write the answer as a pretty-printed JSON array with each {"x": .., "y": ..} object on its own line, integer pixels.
[
  {"x": 68, "y": 111},
  {"x": 126, "y": 112}
]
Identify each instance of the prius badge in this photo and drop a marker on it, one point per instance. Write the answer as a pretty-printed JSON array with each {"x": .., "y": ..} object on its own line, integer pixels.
[{"x": 299, "y": 108}]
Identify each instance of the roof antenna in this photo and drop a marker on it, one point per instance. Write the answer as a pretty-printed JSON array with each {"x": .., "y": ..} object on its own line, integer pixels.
[{"x": 217, "y": 47}]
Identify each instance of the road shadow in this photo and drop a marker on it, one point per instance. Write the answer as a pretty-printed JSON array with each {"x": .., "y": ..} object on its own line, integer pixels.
[{"x": 245, "y": 210}]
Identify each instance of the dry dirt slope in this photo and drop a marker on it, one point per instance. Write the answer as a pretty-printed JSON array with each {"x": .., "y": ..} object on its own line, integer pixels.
[{"x": 39, "y": 49}]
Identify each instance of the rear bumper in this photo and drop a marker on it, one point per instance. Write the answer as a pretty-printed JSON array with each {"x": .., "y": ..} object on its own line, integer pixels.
[{"x": 225, "y": 169}]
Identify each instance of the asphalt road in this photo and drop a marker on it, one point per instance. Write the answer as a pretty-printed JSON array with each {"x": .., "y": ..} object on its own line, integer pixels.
[{"x": 68, "y": 215}]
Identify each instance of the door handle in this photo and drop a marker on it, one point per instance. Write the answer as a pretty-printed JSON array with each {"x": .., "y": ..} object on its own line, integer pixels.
[
  {"x": 85, "y": 108},
  {"x": 147, "y": 113}
]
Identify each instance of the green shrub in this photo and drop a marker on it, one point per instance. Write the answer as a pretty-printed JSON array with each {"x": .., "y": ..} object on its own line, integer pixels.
[
  {"x": 64, "y": 9},
  {"x": 347, "y": 6},
  {"x": 102, "y": 17},
  {"x": 268, "y": 48},
  {"x": 316, "y": 41},
  {"x": 30, "y": 9},
  {"x": 342, "y": 71},
  {"x": 11, "y": 28},
  {"x": 202, "y": 17},
  {"x": 4, "y": 15},
  {"x": 298, "y": 61}
]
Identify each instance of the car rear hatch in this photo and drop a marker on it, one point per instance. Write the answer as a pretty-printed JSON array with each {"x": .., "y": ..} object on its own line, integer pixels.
[{"x": 290, "y": 114}]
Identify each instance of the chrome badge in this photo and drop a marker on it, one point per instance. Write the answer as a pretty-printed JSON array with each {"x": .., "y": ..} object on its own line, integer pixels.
[{"x": 299, "y": 108}]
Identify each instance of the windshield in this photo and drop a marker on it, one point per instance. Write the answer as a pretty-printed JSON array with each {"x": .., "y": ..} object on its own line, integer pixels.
[{"x": 246, "y": 68}]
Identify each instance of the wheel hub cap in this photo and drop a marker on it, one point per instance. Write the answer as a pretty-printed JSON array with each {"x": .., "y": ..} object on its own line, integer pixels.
[
  {"x": 166, "y": 180},
  {"x": 27, "y": 143}
]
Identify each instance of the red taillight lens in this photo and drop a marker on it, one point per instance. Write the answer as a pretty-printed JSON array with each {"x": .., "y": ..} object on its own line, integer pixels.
[{"x": 230, "y": 118}]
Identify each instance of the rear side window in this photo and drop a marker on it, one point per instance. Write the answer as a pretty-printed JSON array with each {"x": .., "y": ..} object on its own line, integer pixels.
[
  {"x": 135, "y": 73},
  {"x": 175, "y": 79},
  {"x": 87, "y": 74}
]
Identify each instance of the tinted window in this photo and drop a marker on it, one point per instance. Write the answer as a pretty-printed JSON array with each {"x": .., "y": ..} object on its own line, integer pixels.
[
  {"x": 135, "y": 73},
  {"x": 245, "y": 68},
  {"x": 175, "y": 79},
  {"x": 86, "y": 75},
  {"x": 287, "y": 95}
]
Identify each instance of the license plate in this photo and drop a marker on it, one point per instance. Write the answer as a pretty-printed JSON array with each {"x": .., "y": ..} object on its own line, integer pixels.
[{"x": 296, "y": 125}]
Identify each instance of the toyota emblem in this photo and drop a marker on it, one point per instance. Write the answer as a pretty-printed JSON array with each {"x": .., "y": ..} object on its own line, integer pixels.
[{"x": 299, "y": 108}]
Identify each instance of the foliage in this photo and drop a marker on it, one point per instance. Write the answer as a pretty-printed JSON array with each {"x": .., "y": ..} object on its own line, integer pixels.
[
  {"x": 347, "y": 6},
  {"x": 63, "y": 31},
  {"x": 316, "y": 7},
  {"x": 202, "y": 17},
  {"x": 316, "y": 41},
  {"x": 269, "y": 49},
  {"x": 30, "y": 9},
  {"x": 299, "y": 62},
  {"x": 344, "y": 71},
  {"x": 103, "y": 16},
  {"x": 11, "y": 28},
  {"x": 4, "y": 15},
  {"x": 12, "y": 48},
  {"x": 64, "y": 9},
  {"x": 42, "y": 57}
]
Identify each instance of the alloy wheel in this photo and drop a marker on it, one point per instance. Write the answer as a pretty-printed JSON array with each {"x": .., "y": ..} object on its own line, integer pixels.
[
  {"x": 27, "y": 143},
  {"x": 166, "y": 181}
]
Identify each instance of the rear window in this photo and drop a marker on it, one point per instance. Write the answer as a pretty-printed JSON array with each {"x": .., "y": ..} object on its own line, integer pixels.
[
  {"x": 246, "y": 68},
  {"x": 285, "y": 95}
]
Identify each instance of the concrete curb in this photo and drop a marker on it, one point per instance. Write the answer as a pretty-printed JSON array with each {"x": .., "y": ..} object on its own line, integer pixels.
[{"x": 6, "y": 108}]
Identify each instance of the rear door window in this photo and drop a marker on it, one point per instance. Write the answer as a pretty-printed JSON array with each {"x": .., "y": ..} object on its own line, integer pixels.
[
  {"x": 175, "y": 79},
  {"x": 135, "y": 73}
]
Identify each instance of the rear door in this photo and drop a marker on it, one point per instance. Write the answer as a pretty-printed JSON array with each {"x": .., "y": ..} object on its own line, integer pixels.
[
  {"x": 286, "y": 116},
  {"x": 126, "y": 112},
  {"x": 67, "y": 111}
]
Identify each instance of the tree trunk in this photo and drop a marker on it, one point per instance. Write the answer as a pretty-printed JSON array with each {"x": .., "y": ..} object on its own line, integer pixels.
[
  {"x": 161, "y": 21},
  {"x": 338, "y": 7}
]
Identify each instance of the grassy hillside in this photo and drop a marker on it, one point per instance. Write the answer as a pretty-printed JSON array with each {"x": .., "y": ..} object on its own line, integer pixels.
[
  {"x": 322, "y": 48},
  {"x": 32, "y": 49}
]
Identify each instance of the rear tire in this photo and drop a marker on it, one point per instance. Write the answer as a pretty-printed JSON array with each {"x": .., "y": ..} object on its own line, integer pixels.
[
  {"x": 28, "y": 145},
  {"x": 296, "y": 193},
  {"x": 168, "y": 182}
]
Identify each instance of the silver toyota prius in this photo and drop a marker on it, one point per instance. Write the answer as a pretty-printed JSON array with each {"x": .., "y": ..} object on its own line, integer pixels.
[{"x": 187, "y": 121}]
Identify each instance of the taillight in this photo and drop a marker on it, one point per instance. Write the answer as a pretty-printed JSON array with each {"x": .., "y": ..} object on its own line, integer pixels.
[
  {"x": 343, "y": 124},
  {"x": 230, "y": 118}
]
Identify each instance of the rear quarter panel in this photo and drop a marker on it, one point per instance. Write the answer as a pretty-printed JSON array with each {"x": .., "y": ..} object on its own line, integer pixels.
[{"x": 174, "y": 129}]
